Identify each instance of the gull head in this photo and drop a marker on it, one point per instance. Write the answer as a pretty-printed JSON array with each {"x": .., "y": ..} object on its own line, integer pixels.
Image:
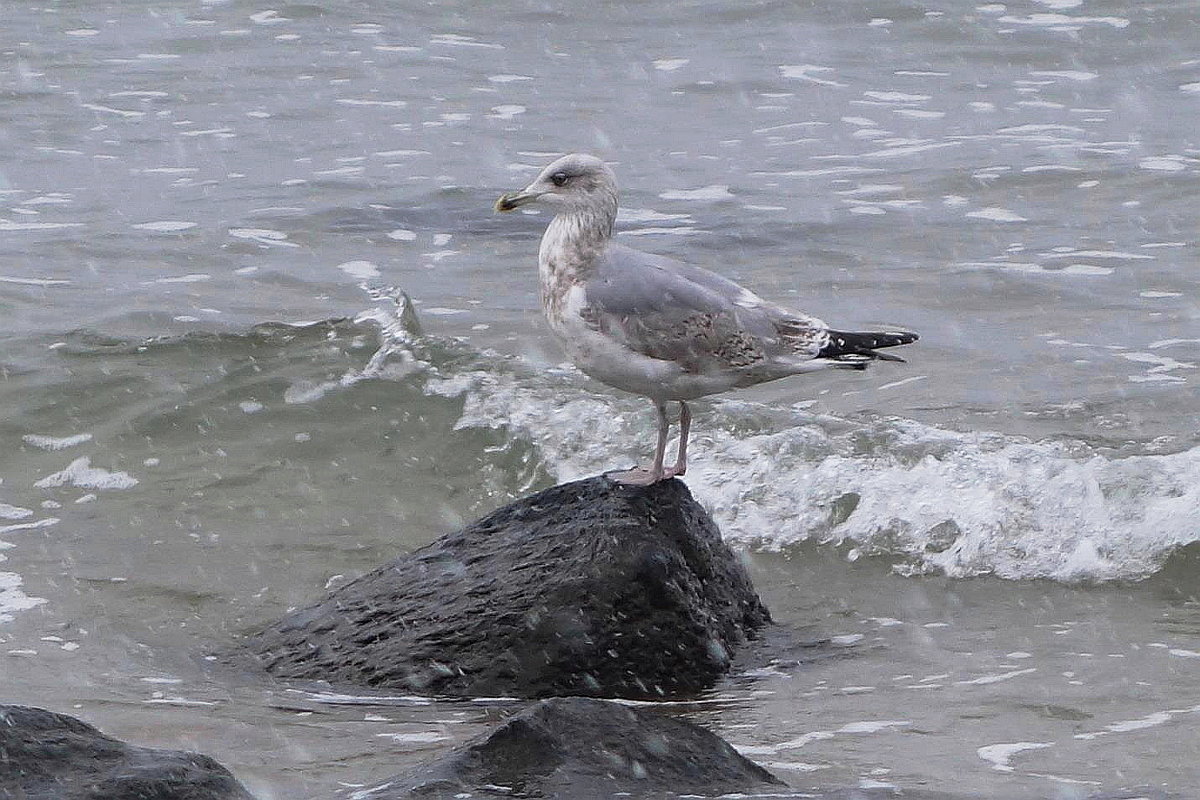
[{"x": 577, "y": 182}]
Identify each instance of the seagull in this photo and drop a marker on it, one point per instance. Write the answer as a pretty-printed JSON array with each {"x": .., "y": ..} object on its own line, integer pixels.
[{"x": 660, "y": 328}]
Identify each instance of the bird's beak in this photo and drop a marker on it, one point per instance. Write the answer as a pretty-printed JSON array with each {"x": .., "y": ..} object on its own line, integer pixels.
[{"x": 514, "y": 200}]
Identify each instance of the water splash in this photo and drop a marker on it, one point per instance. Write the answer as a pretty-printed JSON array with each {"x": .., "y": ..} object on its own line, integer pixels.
[
  {"x": 962, "y": 504},
  {"x": 399, "y": 329},
  {"x": 930, "y": 499}
]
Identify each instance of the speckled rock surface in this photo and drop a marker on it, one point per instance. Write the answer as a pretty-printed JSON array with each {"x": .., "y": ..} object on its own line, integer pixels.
[
  {"x": 587, "y": 588},
  {"x": 581, "y": 748},
  {"x": 49, "y": 756}
]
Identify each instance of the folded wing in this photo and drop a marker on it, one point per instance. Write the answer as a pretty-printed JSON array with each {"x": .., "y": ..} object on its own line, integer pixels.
[{"x": 664, "y": 309}]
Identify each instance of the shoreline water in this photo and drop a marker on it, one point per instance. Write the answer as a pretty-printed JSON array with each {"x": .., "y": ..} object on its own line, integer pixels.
[{"x": 1011, "y": 180}]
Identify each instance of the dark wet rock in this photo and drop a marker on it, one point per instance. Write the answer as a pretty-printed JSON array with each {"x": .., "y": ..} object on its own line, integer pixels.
[
  {"x": 579, "y": 748},
  {"x": 49, "y": 756},
  {"x": 587, "y": 588}
]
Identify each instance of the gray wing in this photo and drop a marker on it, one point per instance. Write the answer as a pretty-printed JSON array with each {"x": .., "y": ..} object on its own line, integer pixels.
[{"x": 665, "y": 309}]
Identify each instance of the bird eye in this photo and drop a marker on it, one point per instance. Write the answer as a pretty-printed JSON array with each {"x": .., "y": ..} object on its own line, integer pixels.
[{"x": 560, "y": 178}]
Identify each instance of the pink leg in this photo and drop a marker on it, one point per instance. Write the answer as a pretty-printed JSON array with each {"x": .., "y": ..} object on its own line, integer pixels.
[
  {"x": 685, "y": 424},
  {"x": 639, "y": 476}
]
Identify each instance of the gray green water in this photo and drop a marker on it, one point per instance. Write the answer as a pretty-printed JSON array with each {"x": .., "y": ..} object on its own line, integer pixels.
[{"x": 208, "y": 412}]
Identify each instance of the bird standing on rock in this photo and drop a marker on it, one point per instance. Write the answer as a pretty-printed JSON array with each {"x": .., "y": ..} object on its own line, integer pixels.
[{"x": 660, "y": 328}]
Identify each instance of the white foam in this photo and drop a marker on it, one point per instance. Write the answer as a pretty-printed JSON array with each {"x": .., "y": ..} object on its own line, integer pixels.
[
  {"x": 337, "y": 171},
  {"x": 262, "y": 236},
  {"x": 1000, "y": 755},
  {"x": 813, "y": 173},
  {"x": 1163, "y": 164},
  {"x": 803, "y": 72},
  {"x": 182, "y": 702},
  {"x": 420, "y": 737},
  {"x": 81, "y": 473},
  {"x": 14, "y": 512},
  {"x": 907, "y": 150},
  {"x": 195, "y": 277},
  {"x": 168, "y": 170},
  {"x": 851, "y": 728},
  {"x": 1085, "y": 269},
  {"x": 55, "y": 442},
  {"x": 872, "y": 726},
  {"x": 165, "y": 226},
  {"x": 649, "y": 215},
  {"x": 360, "y": 269},
  {"x": 1023, "y": 266},
  {"x": 120, "y": 112},
  {"x": 393, "y": 360},
  {"x": 352, "y": 101},
  {"x": 1069, "y": 74},
  {"x": 714, "y": 192},
  {"x": 960, "y": 503},
  {"x": 996, "y": 214},
  {"x": 986, "y": 680},
  {"x": 901, "y": 382},
  {"x": 873, "y": 188},
  {"x": 336, "y": 699},
  {"x": 1113, "y": 254},
  {"x": 45, "y": 522},
  {"x": 1065, "y": 21},
  {"x": 670, "y": 64},
  {"x": 12, "y": 599},
  {"x": 1152, "y": 720},
  {"x": 220, "y": 133},
  {"x": 507, "y": 111},
  {"x": 1160, "y": 363},
  {"x": 918, "y": 113},
  {"x": 52, "y": 199},
  {"x": 401, "y": 153},
  {"x": 660, "y": 230},
  {"x": 896, "y": 97},
  {"x": 6, "y": 225}
]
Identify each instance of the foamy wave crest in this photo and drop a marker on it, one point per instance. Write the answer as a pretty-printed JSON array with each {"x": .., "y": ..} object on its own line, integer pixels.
[
  {"x": 398, "y": 329},
  {"x": 933, "y": 500},
  {"x": 12, "y": 599},
  {"x": 963, "y": 504}
]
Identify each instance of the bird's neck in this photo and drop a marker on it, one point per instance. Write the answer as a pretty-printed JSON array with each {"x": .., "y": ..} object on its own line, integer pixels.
[
  {"x": 572, "y": 243},
  {"x": 579, "y": 232}
]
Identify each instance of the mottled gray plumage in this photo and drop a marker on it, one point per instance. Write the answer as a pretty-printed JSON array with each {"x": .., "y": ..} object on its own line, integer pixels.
[
  {"x": 658, "y": 327},
  {"x": 665, "y": 309}
]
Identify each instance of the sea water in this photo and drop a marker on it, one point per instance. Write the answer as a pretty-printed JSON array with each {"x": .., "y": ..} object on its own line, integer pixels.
[{"x": 215, "y": 405}]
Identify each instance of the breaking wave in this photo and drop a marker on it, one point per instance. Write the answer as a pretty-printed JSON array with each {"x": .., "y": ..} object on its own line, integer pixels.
[
  {"x": 962, "y": 504},
  {"x": 929, "y": 500},
  {"x": 934, "y": 500}
]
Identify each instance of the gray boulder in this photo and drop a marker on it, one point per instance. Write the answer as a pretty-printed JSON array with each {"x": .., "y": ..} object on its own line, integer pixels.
[
  {"x": 587, "y": 588},
  {"x": 584, "y": 749},
  {"x": 49, "y": 756}
]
